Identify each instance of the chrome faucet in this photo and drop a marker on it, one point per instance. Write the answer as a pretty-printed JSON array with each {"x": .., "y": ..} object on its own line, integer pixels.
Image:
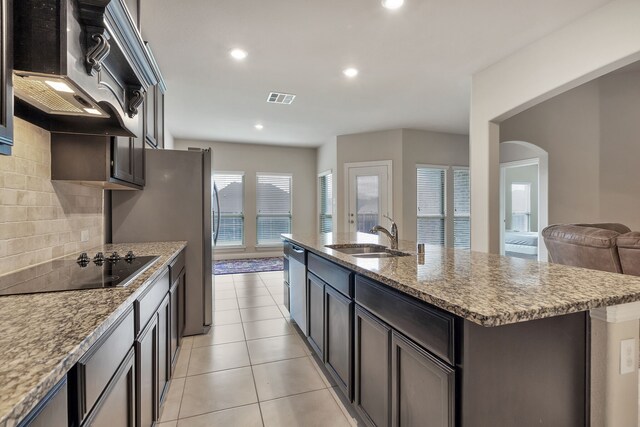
[{"x": 393, "y": 235}]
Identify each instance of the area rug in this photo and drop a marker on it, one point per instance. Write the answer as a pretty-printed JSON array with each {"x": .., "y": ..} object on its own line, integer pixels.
[{"x": 251, "y": 265}]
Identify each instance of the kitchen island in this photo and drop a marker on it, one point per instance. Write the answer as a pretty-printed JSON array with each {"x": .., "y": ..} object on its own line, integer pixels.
[
  {"x": 45, "y": 335},
  {"x": 451, "y": 337}
]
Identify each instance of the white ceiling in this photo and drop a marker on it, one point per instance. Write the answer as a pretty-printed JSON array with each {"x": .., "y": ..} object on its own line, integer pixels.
[{"x": 415, "y": 63}]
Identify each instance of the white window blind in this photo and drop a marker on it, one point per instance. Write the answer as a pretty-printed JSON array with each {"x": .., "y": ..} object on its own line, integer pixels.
[
  {"x": 326, "y": 203},
  {"x": 273, "y": 204},
  {"x": 231, "y": 195},
  {"x": 431, "y": 182},
  {"x": 461, "y": 209}
]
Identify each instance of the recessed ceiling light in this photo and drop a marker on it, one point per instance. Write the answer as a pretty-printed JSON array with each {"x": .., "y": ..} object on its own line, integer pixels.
[
  {"x": 259, "y": 126},
  {"x": 350, "y": 72},
  {"x": 392, "y": 4},
  {"x": 238, "y": 54}
]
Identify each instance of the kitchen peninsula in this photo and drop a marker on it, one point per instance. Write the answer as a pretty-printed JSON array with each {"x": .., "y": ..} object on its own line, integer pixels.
[{"x": 451, "y": 337}]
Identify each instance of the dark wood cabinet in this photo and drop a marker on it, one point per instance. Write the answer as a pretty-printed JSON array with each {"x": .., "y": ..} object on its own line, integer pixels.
[
  {"x": 147, "y": 380},
  {"x": 164, "y": 365},
  {"x": 315, "y": 321},
  {"x": 338, "y": 352},
  {"x": 111, "y": 163},
  {"x": 177, "y": 317},
  {"x": 116, "y": 406},
  {"x": 372, "y": 376},
  {"x": 51, "y": 411},
  {"x": 6, "y": 76},
  {"x": 154, "y": 117},
  {"x": 423, "y": 387}
]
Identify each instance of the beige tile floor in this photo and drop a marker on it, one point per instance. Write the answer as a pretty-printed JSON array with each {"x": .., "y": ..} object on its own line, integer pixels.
[{"x": 253, "y": 368}]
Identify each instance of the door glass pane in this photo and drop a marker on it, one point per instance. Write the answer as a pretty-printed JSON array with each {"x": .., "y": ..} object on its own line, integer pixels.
[{"x": 367, "y": 202}]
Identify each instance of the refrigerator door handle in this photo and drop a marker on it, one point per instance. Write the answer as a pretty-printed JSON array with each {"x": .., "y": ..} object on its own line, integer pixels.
[{"x": 215, "y": 237}]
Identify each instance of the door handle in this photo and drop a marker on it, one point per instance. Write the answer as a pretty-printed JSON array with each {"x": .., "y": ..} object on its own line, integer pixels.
[{"x": 297, "y": 249}]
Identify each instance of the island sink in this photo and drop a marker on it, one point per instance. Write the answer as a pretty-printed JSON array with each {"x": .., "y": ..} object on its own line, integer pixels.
[{"x": 367, "y": 250}]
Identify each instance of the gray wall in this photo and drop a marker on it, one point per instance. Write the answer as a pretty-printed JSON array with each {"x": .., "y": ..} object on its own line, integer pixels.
[
  {"x": 592, "y": 135},
  {"x": 251, "y": 159}
]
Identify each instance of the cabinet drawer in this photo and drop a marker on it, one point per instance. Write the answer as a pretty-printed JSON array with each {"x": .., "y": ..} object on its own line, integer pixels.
[
  {"x": 339, "y": 278},
  {"x": 293, "y": 251},
  {"x": 100, "y": 363},
  {"x": 176, "y": 266},
  {"x": 428, "y": 326},
  {"x": 147, "y": 304}
]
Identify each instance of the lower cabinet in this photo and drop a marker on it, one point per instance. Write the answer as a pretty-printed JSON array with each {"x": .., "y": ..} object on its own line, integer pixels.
[
  {"x": 117, "y": 406},
  {"x": 147, "y": 356},
  {"x": 315, "y": 321},
  {"x": 176, "y": 318},
  {"x": 338, "y": 352},
  {"x": 372, "y": 382},
  {"x": 52, "y": 410},
  {"x": 423, "y": 387},
  {"x": 164, "y": 365}
]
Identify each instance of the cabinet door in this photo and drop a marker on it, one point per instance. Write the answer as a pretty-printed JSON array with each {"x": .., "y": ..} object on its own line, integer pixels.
[
  {"x": 423, "y": 388},
  {"x": 160, "y": 118},
  {"x": 174, "y": 298},
  {"x": 122, "y": 158},
  {"x": 150, "y": 116},
  {"x": 52, "y": 410},
  {"x": 372, "y": 377},
  {"x": 116, "y": 406},
  {"x": 147, "y": 367},
  {"x": 338, "y": 340},
  {"x": 138, "y": 153},
  {"x": 6, "y": 76},
  {"x": 315, "y": 292},
  {"x": 164, "y": 317}
]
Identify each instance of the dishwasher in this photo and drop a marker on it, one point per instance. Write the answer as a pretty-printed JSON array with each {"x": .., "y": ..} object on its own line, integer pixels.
[{"x": 298, "y": 285}]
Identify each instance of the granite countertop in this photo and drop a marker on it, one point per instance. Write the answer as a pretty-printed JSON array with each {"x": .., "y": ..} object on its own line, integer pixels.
[
  {"x": 44, "y": 335},
  {"x": 486, "y": 289}
]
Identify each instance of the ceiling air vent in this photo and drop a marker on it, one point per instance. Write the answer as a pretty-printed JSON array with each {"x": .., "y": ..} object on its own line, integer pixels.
[{"x": 280, "y": 98}]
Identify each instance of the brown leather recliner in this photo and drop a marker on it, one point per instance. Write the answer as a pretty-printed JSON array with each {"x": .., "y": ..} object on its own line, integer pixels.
[
  {"x": 591, "y": 246},
  {"x": 629, "y": 251}
]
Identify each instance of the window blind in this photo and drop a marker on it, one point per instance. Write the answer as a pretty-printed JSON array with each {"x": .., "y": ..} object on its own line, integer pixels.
[
  {"x": 326, "y": 203},
  {"x": 231, "y": 195},
  {"x": 431, "y": 205},
  {"x": 273, "y": 204},
  {"x": 461, "y": 209}
]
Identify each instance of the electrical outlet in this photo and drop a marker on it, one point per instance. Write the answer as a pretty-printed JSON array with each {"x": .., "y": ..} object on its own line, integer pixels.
[
  {"x": 84, "y": 236},
  {"x": 627, "y": 356}
]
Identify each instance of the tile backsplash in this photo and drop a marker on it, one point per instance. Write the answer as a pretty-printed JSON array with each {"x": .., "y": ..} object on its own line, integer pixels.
[{"x": 40, "y": 219}]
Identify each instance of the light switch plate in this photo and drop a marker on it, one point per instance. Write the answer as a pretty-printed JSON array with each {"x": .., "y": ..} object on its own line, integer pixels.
[
  {"x": 627, "y": 356},
  {"x": 84, "y": 236}
]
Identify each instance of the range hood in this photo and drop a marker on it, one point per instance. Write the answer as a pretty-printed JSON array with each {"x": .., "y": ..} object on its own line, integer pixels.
[{"x": 80, "y": 66}]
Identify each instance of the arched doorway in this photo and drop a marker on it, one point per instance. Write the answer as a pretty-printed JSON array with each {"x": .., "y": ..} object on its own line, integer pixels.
[{"x": 524, "y": 199}]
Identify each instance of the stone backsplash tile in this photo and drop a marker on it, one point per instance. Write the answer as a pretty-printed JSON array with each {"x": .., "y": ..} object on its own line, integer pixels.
[{"x": 40, "y": 219}]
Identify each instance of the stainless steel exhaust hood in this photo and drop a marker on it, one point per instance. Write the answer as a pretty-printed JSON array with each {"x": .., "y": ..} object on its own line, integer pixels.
[{"x": 81, "y": 66}]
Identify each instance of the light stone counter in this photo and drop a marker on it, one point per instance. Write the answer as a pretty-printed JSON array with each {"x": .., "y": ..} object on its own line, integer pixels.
[
  {"x": 44, "y": 335},
  {"x": 486, "y": 289}
]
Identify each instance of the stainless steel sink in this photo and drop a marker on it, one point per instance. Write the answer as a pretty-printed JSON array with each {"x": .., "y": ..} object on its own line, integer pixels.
[
  {"x": 367, "y": 251},
  {"x": 352, "y": 249}
]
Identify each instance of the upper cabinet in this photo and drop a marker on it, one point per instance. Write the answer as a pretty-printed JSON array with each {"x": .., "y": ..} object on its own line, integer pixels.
[
  {"x": 6, "y": 71},
  {"x": 154, "y": 109}
]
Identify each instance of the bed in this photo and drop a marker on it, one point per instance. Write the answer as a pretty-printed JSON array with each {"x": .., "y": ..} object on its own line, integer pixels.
[{"x": 523, "y": 242}]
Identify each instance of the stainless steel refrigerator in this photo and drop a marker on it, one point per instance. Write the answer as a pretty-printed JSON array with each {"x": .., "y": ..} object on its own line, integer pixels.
[{"x": 174, "y": 205}]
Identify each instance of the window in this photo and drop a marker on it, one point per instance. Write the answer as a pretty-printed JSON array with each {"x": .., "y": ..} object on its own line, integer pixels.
[
  {"x": 521, "y": 206},
  {"x": 461, "y": 209},
  {"x": 431, "y": 184},
  {"x": 326, "y": 202},
  {"x": 231, "y": 196},
  {"x": 273, "y": 204}
]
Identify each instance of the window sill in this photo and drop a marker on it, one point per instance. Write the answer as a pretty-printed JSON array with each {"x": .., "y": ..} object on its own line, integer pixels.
[
  {"x": 230, "y": 248},
  {"x": 269, "y": 246}
]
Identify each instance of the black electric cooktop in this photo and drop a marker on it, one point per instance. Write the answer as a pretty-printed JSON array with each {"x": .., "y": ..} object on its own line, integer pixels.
[{"x": 110, "y": 271}]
